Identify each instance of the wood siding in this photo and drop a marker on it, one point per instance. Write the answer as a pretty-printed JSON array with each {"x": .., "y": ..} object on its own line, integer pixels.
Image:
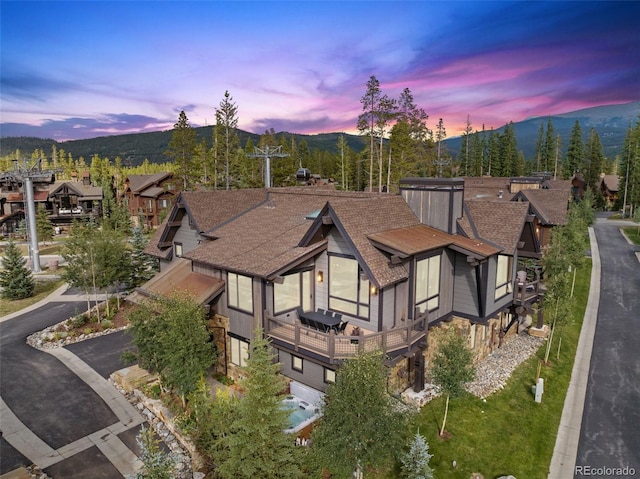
[
  {"x": 312, "y": 373},
  {"x": 466, "y": 288}
]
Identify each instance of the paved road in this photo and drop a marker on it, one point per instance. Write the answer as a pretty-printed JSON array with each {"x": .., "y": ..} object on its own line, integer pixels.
[
  {"x": 610, "y": 432},
  {"x": 58, "y": 410}
]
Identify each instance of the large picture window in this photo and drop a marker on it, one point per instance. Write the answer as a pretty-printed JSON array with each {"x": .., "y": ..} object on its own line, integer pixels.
[
  {"x": 503, "y": 276},
  {"x": 240, "y": 292},
  {"x": 348, "y": 289},
  {"x": 428, "y": 284},
  {"x": 294, "y": 291},
  {"x": 239, "y": 352}
]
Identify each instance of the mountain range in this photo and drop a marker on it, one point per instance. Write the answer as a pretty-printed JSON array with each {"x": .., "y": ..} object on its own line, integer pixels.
[{"x": 611, "y": 122}]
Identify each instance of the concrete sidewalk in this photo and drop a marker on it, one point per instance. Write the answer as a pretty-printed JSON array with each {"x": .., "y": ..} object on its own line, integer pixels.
[{"x": 566, "y": 448}]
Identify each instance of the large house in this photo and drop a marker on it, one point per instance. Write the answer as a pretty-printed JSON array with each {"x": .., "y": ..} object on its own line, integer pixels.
[
  {"x": 149, "y": 197},
  {"x": 326, "y": 274}
]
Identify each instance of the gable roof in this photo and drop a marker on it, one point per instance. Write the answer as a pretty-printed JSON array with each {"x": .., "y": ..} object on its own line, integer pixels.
[
  {"x": 499, "y": 223},
  {"x": 205, "y": 209},
  {"x": 208, "y": 209},
  {"x": 264, "y": 241},
  {"x": 86, "y": 192},
  {"x": 138, "y": 183},
  {"x": 550, "y": 206},
  {"x": 611, "y": 182}
]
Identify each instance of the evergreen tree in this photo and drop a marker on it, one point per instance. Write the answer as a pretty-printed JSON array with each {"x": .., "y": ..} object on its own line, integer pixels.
[
  {"x": 508, "y": 151},
  {"x": 440, "y": 135},
  {"x": 575, "y": 153},
  {"x": 452, "y": 368},
  {"x": 142, "y": 266},
  {"x": 226, "y": 134},
  {"x": 16, "y": 280},
  {"x": 415, "y": 462},
  {"x": 540, "y": 149},
  {"x": 367, "y": 119},
  {"x": 630, "y": 171},
  {"x": 155, "y": 463},
  {"x": 549, "y": 147},
  {"x": 258, "y": 446},
  {"x": 360, "y": 427},
  {"x": 181, "y": 149},
  {"x": 595, "y": 159}
]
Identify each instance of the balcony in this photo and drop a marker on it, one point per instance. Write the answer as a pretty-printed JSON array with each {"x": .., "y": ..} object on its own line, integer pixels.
[
  {"x": 331, "y": 347},
  {"x": 528, "y": 292}
]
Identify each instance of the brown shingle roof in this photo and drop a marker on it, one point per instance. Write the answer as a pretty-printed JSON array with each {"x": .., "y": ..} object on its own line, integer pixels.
[
  {"x": 611, "y": 182},
  {"x": 550, "y": 206},
  {"x": 208, "y": 209},
  {"x": 359, "y": 219},
  {"x": 264, "y": 239},
  {"x": 497, "y": 222},
  {"x": 138, "y": 183}
]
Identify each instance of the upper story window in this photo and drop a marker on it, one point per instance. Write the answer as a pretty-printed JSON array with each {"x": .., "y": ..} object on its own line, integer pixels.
[
  {"x": 428, "y": 283},
  {"x": 503, "y": 275},
  {"x": 294, "y": 291},
  {"x": 348, "y": 287},
  {"x": 164, "y": 203},
  {"x": 150, "y": 205},
  {"x": 240, "y": 292},
  {"x": 177, "y": 249}
]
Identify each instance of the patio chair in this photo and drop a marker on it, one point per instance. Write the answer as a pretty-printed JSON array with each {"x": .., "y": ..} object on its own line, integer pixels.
[
  {"x": 321, "y": 311},
  {"x": 342, "y": 327}
]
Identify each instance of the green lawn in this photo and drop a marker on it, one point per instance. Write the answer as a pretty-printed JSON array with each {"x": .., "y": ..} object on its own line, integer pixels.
[
  {"x": 43, "y": 289},
  {"x": 633, "y": 233},
  {"x": 509, "y": 433}
]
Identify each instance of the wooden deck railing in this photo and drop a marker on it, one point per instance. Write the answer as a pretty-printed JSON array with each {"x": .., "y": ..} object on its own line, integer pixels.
[
  {"x": 528, "y": 292},
  {"x": 337, "y": 346}
]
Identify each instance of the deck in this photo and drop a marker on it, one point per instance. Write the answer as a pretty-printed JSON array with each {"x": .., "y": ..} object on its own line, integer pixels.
[{"x": 335, "y": 347}]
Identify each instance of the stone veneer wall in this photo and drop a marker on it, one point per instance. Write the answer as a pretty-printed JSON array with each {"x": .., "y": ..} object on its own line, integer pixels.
[{"x": 222, "y": 342}]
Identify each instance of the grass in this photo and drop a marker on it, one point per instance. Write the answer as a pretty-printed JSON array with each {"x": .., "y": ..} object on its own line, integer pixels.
[
  {"x": 509, "y": 433},
  {"x": 42, "y": 290},
  {"x": 633, "y": 234}
]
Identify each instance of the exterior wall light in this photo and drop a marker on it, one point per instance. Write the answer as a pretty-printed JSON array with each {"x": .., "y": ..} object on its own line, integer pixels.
[{"x": 320, "y": 276}]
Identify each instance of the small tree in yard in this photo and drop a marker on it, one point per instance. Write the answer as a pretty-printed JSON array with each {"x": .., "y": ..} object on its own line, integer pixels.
[
  {"x": 452, "y": 368},
  {"x": 258, "y": 445},
  {"x": 415, "y": 462},
  {"x": 155, "y": 463},
  {"x": 172, "y": 339},
  {"x": 44, "y": 227},
  {"x": 143, "y": 267},
  {"x": 16, "y": 280},
  {"x": 361, "y": 426}
]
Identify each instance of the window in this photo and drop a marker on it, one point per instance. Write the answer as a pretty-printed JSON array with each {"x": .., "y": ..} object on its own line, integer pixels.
[
  {"x": 348, "y": 288},
  {"x": 428, "y": 284},
  {"x": 296, "y": 363},
  {"x": 503, "y": 276},
  {"x": 294, "y": 291},
  {"x": 149, "y": 205},
  {"x": 239, "y": 352},
  {"x": 177, "y": 249},
  {"x": 240, "y": 292},
  {"x": 164, "y": 203},
  {"x": 329, "y": 375}
]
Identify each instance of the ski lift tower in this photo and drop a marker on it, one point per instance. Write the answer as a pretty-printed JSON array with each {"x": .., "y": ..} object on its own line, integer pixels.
[
  {"x": 25, "y": 173},
  {"x": 267, "y": 153}
]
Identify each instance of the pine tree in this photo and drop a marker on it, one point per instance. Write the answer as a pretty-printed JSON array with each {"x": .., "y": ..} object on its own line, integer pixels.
[
  {"x": 181, "y": 149},
  {"x": 226, "y": 134},
  {"x": 142, "y": 266},
  {"x": 258, "y": 446},
  {"x": 415, "y": 462},
  {"x": 595, "y": 159},
  {"x": 367, "y": 119},
  {"x": 16, "y": 280},
  {"x": 350, "y": 438},
  {"x": 575, "y": 153}
]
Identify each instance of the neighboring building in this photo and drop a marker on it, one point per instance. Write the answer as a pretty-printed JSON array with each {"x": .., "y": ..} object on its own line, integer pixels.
[
  {"x": 149, "y": 197},
  {"x": 392, "y": 266},
  {"x": 63, "y": 200},
  {"x": 609, "y": 189}
]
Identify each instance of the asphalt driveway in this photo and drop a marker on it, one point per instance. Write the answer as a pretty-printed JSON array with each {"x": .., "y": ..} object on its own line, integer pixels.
[
  {"x": 610, "y": 435},
  {"x": 51, "y": 400}
]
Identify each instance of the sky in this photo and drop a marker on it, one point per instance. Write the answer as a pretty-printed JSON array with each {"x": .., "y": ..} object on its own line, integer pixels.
[{"x": 83, "y": 69}]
